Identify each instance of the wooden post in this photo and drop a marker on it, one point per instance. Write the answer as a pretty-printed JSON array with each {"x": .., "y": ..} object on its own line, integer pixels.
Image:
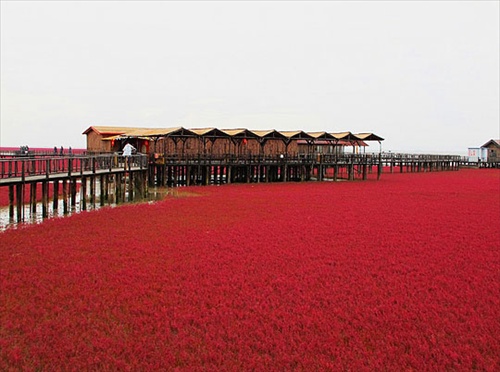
[
  {"x": 165, "y": 171},
  {"x": 216, "y": 174},
  {"x": 108, "y": 187},
  {"x": 130, "y": 186},
  {"x": 19, "y": 201},
  {"x": 379, "y": 167},
  {"x": 73, "y": 192},
  {"x": 55, "y": 201},
  {"x": 45, "y": 198},
  {"x": 184, "y": 174},
  {"x": 136, "y": 182},
  {"x": 92, "y": 188},
  {"x": 102, "y": 187},
  {"x": 65, "y": 196},
  {"x": 83, "y": 194},
  {"x": 248, "y": 173},
  {"x": 11, "y": 202},
  {"x": 144, "y": 185},
  {"x": 33, "y": 197},
  {"x": 118, "y": 187},
  {"x": 175, "y": 176},
  {"x": 191, "y": 175}
]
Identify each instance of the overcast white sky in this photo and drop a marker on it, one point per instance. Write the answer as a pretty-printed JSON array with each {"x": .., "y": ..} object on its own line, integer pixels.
[{"x": 422, "y": 74}]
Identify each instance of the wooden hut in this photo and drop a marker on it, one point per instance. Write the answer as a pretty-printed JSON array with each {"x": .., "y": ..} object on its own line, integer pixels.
[
  {"x": 98, "y": 137},
  {"x": 492, "y": 151}
]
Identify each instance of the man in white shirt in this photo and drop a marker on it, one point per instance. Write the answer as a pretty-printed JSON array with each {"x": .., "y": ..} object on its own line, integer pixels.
[
  {"x": 127, "y": 149},
  {"x": 127, "y": 153}
]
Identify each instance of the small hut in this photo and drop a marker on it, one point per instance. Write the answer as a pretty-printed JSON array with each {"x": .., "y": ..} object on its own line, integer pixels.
[{"x": 492, "y": 148}]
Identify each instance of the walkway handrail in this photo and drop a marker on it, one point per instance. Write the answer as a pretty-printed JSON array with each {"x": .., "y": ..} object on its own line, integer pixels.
[
  {"x": 78, "y": 164},
  {"x": 420, "y": 157},
  {"x": 36, "y": 166},
  {"x": 293, "y": 158}
]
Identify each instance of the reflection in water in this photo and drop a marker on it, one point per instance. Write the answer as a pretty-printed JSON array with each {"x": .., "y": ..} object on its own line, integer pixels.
[{"x": 30, "y": 217}]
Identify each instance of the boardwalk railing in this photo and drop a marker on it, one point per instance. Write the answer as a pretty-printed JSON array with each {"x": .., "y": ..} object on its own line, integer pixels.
[
  {"x": 266, "y": 159},
  {"x": 23, "y": 167}
]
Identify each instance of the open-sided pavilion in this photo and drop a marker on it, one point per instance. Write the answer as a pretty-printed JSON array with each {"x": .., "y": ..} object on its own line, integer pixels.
[{"x": 215, "y": 141}]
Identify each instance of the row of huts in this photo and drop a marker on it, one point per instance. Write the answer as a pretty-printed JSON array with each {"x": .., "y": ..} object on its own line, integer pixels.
[{"x": 218, "y": 142}]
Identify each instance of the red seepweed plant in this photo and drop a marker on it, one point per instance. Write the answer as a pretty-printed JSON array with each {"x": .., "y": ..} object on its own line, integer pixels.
[{"x": 399, "y": 274}]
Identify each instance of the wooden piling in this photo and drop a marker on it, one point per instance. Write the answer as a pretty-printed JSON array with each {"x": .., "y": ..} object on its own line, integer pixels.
[
  {"x": 33, "y": 197},
  {"x": 45, "y": 199},
  {"x": 83, "y": 194},
  {"x": 55, "y": 196},
  {"x": 65, "y": 196},
  {"x": 11, "y": 202},
  {"x": 130, "y": 186},
  {"x": 92, "y": 190},
  {"x": 73, "y": 192},
  {"x": 19, "y": 202}
]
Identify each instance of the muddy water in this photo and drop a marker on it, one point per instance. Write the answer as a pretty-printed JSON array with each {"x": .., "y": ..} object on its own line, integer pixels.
[{"x": 35, "y": 217}]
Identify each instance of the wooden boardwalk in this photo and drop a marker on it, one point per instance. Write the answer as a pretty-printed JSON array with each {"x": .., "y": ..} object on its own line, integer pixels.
[{"x": 68, "y": 175}]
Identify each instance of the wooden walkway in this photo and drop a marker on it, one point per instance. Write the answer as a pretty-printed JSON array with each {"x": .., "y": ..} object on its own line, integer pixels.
[
  {"x": 37, "y": 169},
  {"x": 124, "y": 178}
]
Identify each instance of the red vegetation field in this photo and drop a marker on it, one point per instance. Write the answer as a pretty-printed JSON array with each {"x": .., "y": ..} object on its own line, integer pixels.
[{"x": 400, "y": 274}]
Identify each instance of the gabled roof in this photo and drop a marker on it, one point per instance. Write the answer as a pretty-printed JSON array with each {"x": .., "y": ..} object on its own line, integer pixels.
[
  {"x": 151, "y": 132},
  {"x": 205, "y": 131},
  {"x": 267, "y": 134},
  {"x": 112, "y": 133},
  {"x": 239, "y": 133},
  {"x": 296, "y": 134},
  {"x": 334, "y": 143},
  {"x": 321, "y": 135},
  {"x": 369, "y": 137},
  {"x": 492, "y": 142},
  {"x": 347, "y": 136},
  {"x": 148, "y": 133},
  {"x": 108, "y": 130}
]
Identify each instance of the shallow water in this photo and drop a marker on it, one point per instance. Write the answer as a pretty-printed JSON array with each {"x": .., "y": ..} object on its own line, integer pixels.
[{"x": 28, "y": 216}]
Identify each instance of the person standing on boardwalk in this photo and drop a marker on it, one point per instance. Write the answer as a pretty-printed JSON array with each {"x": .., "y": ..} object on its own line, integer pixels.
[
  {"x": 127, "y": 153},
  {"x": 127, "y": 149}
]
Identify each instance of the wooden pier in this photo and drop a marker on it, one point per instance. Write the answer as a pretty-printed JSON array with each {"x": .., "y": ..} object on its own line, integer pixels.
[
  {"x": 126, "y": 179},
  {"x": 409, "y": 163},
  {"x": 173, "y": 171}
]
